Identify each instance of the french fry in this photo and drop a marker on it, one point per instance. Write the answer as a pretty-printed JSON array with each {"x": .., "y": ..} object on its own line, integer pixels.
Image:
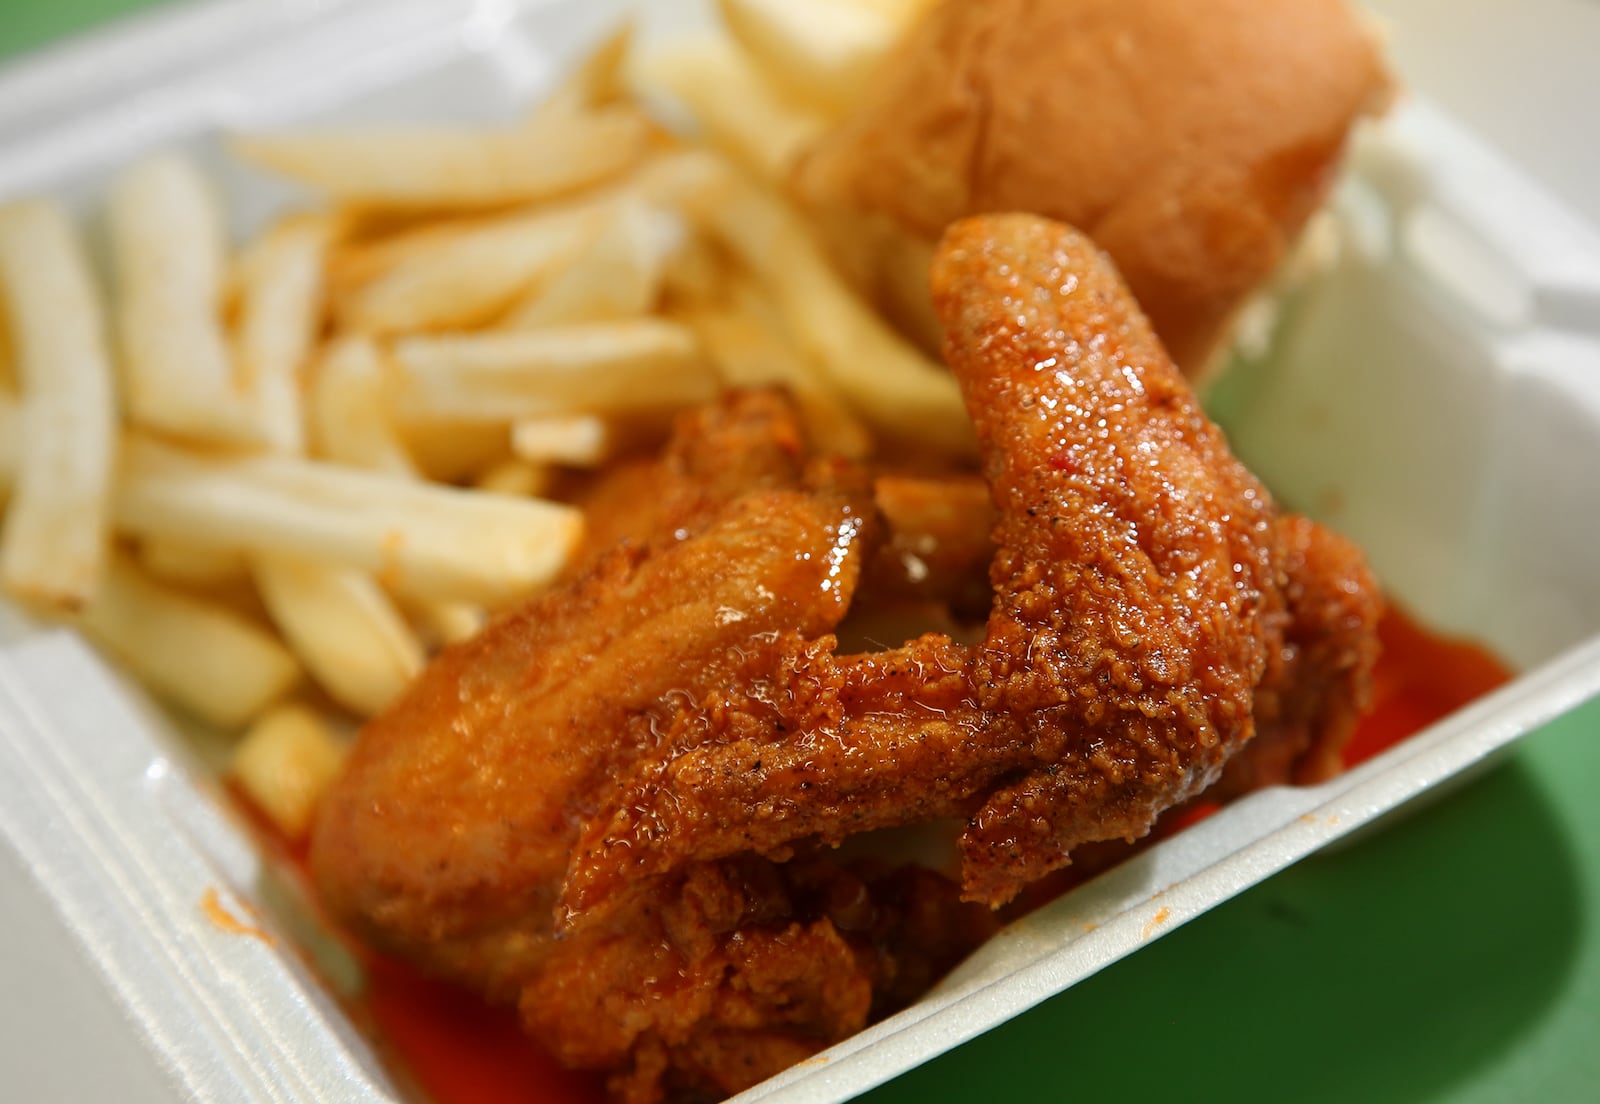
[
  {"x": 344, "y": 628},
  {"x": 169, "y": 258},
  {"x": 455, "y": 451},
  {"x": 187, "y": 563},
  {"x": 53, "y": 546},
  {"x": 877, "y": 372},
  {"x": 443, "y": 623},
  {"x": 351, "y": 426},
  {"x": 597, "y": 81},
  {"x": 901, "y": 13},
  {"x": 349, "y": 419},
  {"x": 368, "y": 247},
  {"x": 521, "y": 478},
  {"x": 8, "y": 381},
  {"x": 612, "y": 368},
  {"x": 199, "y": 655},
  {"x": 740, "y": 112},
  {"x": 10, "y": 441},
  {"x": 822, "y": 52},
  {"x": 677, "y": 180},
  {"x": 749, "y": 353},
  {"x": 280, "y": 310},
  {"x": 468, "y": 277},
  {"x": 285, "y": 762},
  {"x": 553, "y": 154},
  {"x": 618, "y": 276},
  {"x": 699, "y": 274},
  {"x": 425, "y": 539},
  {"x": 578, "y": 440}
]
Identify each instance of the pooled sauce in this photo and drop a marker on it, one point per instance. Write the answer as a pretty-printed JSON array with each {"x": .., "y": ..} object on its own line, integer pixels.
[
  {"x": 1420, "y": 678},
  {"x": 461, "y": 1051}
]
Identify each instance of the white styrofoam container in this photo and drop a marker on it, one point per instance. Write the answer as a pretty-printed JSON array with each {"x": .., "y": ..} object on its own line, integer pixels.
[{"x": 1435, "y": 394}]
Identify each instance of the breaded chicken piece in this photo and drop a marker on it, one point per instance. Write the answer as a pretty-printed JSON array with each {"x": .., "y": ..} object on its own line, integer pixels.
[
  {"x": 449, "y": 833},
  {"x": 1320, "y": 659},
  {"x": 1141, "y": 587},
  {"x": 456, "y": 813},
  {"x": 1319, "y": 672},
  {"x": 613, "y": 807}
]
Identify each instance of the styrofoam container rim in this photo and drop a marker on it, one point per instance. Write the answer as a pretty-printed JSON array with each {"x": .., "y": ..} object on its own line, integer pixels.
[{"x": 1463, "y": 273}]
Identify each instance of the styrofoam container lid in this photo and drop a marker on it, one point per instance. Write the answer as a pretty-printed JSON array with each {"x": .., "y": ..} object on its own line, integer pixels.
[{"x": 1433, "y": 392}]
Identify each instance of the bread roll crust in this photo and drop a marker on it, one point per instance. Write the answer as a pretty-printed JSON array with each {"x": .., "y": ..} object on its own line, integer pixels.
[{"x": 1191, "y": 140}]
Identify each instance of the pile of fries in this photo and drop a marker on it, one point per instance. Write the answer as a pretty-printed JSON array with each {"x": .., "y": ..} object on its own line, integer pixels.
[{"x": 270, "y": 480}]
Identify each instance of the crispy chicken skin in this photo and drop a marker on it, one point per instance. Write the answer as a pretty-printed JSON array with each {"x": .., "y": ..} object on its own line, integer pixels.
[
  {"x": 456, "y": 813},
  {"x": 1140, "y": 591},
  {"x": 614, "y": 806},
  {"x": 718, "y": 453},
  {"x": 1319, "y": 663},
  {"x": 448, "y": 836},
  {"x": 936, "y": 542},
  {"x": 1319, "y": 669},
  {"x": 1190, "y": 140}
]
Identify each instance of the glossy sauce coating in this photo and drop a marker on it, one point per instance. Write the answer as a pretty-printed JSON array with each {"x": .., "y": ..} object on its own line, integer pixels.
[
  {"x": 1143, "y": 591},
  {"x": 613, "y": 807},
  {"x": 463, "y": 1052}
]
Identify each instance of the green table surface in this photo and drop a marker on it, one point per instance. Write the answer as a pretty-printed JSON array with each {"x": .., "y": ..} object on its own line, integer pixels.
[{"x": 1454, "y": 957}]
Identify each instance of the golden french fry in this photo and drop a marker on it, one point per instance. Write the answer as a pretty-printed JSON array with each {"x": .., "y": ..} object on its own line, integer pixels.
[
  {"x": 350, "y": 425},
  {"x": 618, "y": 276},
  {"x": 603, "y": 368},
  {"x": 881, "y": 376},
  {"x": 469, "y": 276},
  {"x": 443, "y": 623},
  {"x": 280, "y": 311},
  {"x": 426, "y": 539},
  {"x": 8, "y": 382},
  {"x": 169, "y": 257},
  {"x": 368, "y": 247},
  {"x": 53, "y": 546},
  {"x": 10, "y": 416},
  {"x": 553, "y": 154},
  {"x": 822, "y": 52},
  {"x": 596, "y": 81},
  {"x": 344, "y": 628},
  {"x": 738, "y": 110},
  {"x": 199, "y": 655},
  {"x": 676, "y": 180},
  {"x": 697, "y": 276},
  {"x": 901, "y": 13},
  {"x": 454, "y": 451},
  {"x": 285, "y": 762},
  {"x": 10, "y": 441},
  {"x": 187, "y": 563},
  {"x": 749, "y": 353},
  {"x": 515, "y": 477},
  {"x": 348, "y": 413},
  {"x": 578, "y": 440},
  {"x": 350, "y": 417}
]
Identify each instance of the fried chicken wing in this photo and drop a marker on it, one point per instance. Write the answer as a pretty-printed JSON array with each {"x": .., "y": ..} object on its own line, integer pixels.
[
  {"x": 1137, "y": 580},
  {"x": 1319, "y": 670},
  {"x": 937, "y": 540},
  {"x": 751, "y": 440},
  {"x": 447, "y": 838},
  {"x": 1319, "y": 661},
  {"x": 615, "y": 806},
  {"x": 455, "y": 814}
]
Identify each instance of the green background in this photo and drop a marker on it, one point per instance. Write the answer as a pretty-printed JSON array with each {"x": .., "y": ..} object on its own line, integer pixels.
[{"x": 1455, "y": 957}]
